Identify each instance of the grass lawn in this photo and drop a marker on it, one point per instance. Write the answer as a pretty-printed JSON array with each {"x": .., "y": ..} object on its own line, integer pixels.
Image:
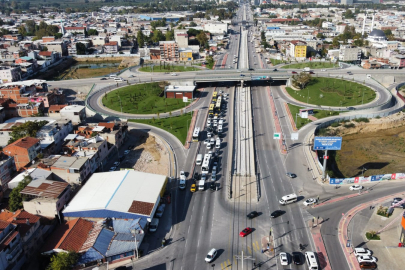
[
  {"x": 175, "y": 125},
  {"x": 313, "y": 65},
  {"x": 276, "y": 61},
  {"x": 145, "y": 98},
  {"x": 170, "y": 68},
  {"x": 302, "y": 121},
  {"x": 333, "y": 92}
]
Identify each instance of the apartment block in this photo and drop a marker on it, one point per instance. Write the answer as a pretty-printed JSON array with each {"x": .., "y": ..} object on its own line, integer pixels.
[
  {"x": 23, "y": 150},
  {"x": 169, "y": 51},
  {"x": 298, "y": 49}
]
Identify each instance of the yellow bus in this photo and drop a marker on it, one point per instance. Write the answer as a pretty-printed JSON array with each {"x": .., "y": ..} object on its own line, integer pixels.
[
  {"x": 214, "y": 95},
  {"x": 211, "y": 110}
]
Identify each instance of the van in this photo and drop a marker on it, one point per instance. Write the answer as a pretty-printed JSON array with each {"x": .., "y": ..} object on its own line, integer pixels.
[
  {"x": 160, "y": 210},
  {"x": 112, "y": 76},
  {"x": 199, "y": 160},
  {"x": 201, "y": 185},
  {"x": 311, "y": 260},
  {"x": 154, "y": 225},
  {"x": 288, "y": 199}
]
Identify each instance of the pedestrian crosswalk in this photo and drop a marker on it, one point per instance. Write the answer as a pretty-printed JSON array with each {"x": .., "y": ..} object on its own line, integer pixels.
[{"x": 255, "y": 247}]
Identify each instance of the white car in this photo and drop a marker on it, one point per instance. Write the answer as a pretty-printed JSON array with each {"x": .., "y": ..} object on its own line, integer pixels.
[
  {"x": 356, "y": 187},
  {"x": 211, "y": 255},
  {"x": 208, "y": 146},
  {"x": 310, "y": 201},
  {"x": 366, "y": 259},
  {"x": 173, "y": 74},
  {"x": 283, "y": 258},
  {"x": 182, "y": 175},
  {"x": 112, "y": 169},
  {"x": 209, "y": 134},
  {"x": 207, "y": 141},
  {"x": 362, "y": 252}
]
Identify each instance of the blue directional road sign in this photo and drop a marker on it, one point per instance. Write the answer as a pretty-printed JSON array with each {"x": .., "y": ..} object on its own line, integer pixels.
[{"x": 327, "y": 143}]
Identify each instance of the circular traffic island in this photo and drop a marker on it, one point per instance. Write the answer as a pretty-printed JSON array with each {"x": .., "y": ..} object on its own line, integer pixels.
[
  {"x": 332, "y": 92},
  {"x": 147, "y": 98}
]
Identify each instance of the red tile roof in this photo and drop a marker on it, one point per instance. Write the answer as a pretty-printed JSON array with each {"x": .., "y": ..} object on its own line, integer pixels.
[
  {"x": 26, "y": 142},
  {"x": 69, "y": 236},
  {"x": 143, "y": 208},
  {"x": 55, "y": 108},
  {"x": 46, "y": 190},
  {"x": 20, "y": 218},
  {"x": 107, "y": 125},
  {"x": 112, "y": 43},
  {"x": 45, "y": 53}
]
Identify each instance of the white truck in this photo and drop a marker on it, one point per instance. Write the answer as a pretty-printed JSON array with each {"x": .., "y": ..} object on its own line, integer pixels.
[
  {"x": 307, "y": 69},
  {"x": 201, "y": 185}
]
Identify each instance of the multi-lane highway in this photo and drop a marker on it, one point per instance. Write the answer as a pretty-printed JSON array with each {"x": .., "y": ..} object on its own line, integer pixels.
[{"x": 209, "y": 219}]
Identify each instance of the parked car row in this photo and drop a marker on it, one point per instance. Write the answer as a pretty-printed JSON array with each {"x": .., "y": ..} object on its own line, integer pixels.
[{"x": 365, "y": 258}]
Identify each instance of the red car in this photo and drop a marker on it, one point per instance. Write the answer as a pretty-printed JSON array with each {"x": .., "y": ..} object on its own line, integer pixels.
[
  {"x": 245, "y": 232},
  {"x": 293, "y": 72}
]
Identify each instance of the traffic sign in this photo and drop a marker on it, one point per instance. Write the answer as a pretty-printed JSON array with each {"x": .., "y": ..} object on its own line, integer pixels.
[
  {"x": 185, "y": 99},
  {"x": 276, "y": 136}
]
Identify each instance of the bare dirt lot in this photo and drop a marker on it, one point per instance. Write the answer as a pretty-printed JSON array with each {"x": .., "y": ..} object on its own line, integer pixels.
[
  {"x": 378, "y": 146},
  {"x": 149, "y": 155}
]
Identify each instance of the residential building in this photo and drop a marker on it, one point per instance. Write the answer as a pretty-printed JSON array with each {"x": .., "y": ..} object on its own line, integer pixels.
[
  {"x": 54, "y": 134},
  {"x": 23, "y": 150},
  {"x": 73, "y": 170},
  {"x": 56, "y": 46},
  {"x": 98, "y": 41},
  {"x": 216, "y": 28},
  {"x": 10, "y": 74},
  {"x": 77, "y": 30},
  {"x": 111, "y": 47},
  {"x": 298, "y": 49},
  {"x": 181, "y": 37},
  {"x": 11, "y": 250},
  {"x": 29, "y": 228},
  {"x": 169, "y": 51},
  {"x": 7, "y": 170},
  {"x": 348, "y": 53},
  {"x": 76, "y": 113},
  {"x": 120, "y": 194},
  {"x": 46, "y": 197},
  {"x": 186, "y": 54},
  {"x": 114, "y": 133}
]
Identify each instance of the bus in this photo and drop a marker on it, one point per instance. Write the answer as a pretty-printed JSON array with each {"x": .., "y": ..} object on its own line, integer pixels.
[
  {"x": 214, "y": 95},
  {"x": 196, "y": 134},
  {"x": 218, "y": 105},
  {"x": 211, "y": 109},
  {"x": 205, "y": 168}
]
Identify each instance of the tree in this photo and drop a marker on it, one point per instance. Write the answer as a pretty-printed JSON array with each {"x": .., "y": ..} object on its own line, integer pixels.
[
  {"x": 170, "y": 35},
  {"x": 202, "y": 38},
  {"x": 320, "y": 35},
  {"x": 80, "y": 48},
  {"x": 335, "y": 42},
  {"x": 63, "y": 261},
  {"x": 140, "y": 38},
  {"x": 158, "y": 36},
  {"x": 16, "y": 199},
  {"x": 92, "y": 32},
  {"x": 301, "y": 80},
  {"x": 349, "y": 14},
  {"x": 27, "y": 129},
  {"x": 192, "y": 24}
]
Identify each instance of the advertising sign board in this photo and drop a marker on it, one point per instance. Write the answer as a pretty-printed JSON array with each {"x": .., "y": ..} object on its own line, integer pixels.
[{"x": 327, "y": 143}]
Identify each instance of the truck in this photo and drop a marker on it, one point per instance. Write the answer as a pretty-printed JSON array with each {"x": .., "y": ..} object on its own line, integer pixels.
[
  {"x": 201, "y": 184},
  {"x": 307, "y": 69}
]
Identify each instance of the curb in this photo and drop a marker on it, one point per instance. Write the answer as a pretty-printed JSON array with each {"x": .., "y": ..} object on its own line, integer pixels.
[
  {"x": 293, "y": 124},
  {"x": 191, "y": 129}
]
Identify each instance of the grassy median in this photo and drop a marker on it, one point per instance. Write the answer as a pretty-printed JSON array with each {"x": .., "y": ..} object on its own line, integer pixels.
[
  {"x": 178, "y": 125},
  {"x": 333, "y": 92},
  {"x": 300, "y": 122},
  {"x": 312, "y": 65},
  {"x": 146, "y": 98}
]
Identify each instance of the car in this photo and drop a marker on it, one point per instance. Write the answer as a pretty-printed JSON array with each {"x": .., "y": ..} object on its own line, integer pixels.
[
  {"x": 192, "y": 188},
  {"x": 211, "y": 255},
  {"x": 276, "y": 213},
  {"x": 160, "y": 210},
  {"x": 245, "y": 232},
  {"x": 396, "y": 200},
  {"x": 310, "y": 201},
  {"x": 297, "y": 258},
  {"x": 283, "y": 258},
  {"x": 215, "y": 158},
  {"x": 323, "y": 69},
  {"x": 251, "y": 69},
  {"x": 350, "y": 73},
  {"x": 368, "y": 265},
  {"x": 242, "y": 75},
  {"x": 275, "y": 69},
  {"x": 213, "y": 186},
  {"x": 252, "y": 215},
  {"x": 112, "y": 169},
  {"x": 102, "y": 79},
  {"x": 293, "y": 72},
  {"x": 173, "y": 74},
  {"x": 204, "y": 177},
  {"x": 196, "y": 176},
  {"x": 366, "y": 259},
  {"x": 362, "y": 252},
  {"x": 356, "y": 187},
  {"x": 291, "y": 175},
  {"x": 131, "y": 76},
  {"x": 207, "y": 141},
  {"x": 311, "y": 72},
  {"x": 214, "y": 170},
  {"x": 214, "y": 177},
  {"x": 116, "y": 163},
  {"x": 126, "y": 152}
]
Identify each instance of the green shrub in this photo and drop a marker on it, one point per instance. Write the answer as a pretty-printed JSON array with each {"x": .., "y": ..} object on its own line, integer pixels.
[
  {"x": 372, "y": 235},
  {"x": 377, "y": 117},
  {"x": 350, "y": 125},
  {"x": 336, "y": 124},
  {"x": 362, "y": 119}
]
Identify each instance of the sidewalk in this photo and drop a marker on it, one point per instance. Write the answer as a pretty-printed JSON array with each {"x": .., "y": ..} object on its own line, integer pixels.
[
  {"x": 191, "y": 130},
  {"x": 276, "y": 121},
  {"x": 315, "y": 228}
]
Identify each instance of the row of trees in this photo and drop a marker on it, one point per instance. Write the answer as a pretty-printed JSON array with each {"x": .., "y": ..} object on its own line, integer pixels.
[{"x": 43, "y": 29}]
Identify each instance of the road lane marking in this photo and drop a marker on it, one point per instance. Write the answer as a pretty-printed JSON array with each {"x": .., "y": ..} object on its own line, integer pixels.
[{"x": 249, "y": 250}]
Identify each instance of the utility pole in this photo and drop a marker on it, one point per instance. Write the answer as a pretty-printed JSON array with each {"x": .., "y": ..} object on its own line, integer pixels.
[{"x": 242, "y": 258}]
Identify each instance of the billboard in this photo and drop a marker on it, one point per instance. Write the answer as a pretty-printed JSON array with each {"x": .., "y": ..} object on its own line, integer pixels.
[{"x": 327, "y": 143}]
